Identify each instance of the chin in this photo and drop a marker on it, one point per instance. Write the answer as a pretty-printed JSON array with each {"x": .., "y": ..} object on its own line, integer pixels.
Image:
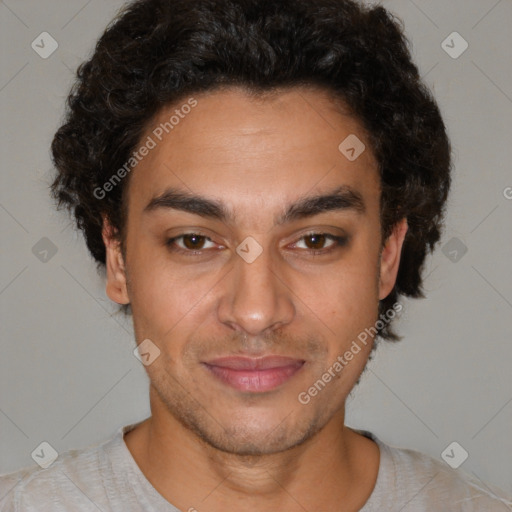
[{"x": 257, "y": 439}]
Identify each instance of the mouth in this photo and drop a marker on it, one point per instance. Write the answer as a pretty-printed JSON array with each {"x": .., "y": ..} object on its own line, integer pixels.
[{"x": 254, "y": 374}]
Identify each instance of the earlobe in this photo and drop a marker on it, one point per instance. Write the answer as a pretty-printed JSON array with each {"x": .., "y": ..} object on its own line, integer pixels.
[
  {"x": 116, "y": 288},
  {"x": 390, "y": 258}
]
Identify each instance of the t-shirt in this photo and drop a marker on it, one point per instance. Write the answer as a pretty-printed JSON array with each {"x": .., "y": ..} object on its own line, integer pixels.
[{"x": 105, "y": 477}]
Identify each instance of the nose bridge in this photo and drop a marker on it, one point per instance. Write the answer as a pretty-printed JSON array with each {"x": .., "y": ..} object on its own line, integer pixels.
[{"x": 255, "y": 299}]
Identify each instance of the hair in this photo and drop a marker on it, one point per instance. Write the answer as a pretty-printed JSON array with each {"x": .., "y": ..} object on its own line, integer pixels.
[{"x": 156, "y": 52}]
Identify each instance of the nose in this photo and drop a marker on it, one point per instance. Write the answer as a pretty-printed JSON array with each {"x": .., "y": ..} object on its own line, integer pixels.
[{"x": 255, "y": 298}]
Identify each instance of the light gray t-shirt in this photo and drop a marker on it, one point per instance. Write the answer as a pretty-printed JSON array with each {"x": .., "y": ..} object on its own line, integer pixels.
[{"x": 105, "y": 477}]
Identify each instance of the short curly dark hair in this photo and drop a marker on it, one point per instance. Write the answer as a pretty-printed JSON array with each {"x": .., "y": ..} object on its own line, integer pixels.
[{"x": 156, "y": 52}]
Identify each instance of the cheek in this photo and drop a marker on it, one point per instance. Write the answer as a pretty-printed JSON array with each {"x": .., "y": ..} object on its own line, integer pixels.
[
  {"x": 345, "y": 306},
  {"x": 346, "y": 292},
  {"x": 165, "y": 300}
]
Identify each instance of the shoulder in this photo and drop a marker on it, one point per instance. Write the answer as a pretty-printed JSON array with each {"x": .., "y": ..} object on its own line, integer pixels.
[
  {"x": 431, "y": 482},
  {"x": 418, "y": 482},
  {"x": 74, "y": 479}
]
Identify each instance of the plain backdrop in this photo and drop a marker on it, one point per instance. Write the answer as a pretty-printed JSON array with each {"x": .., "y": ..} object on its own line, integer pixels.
[{"x": 68, "y": 375}]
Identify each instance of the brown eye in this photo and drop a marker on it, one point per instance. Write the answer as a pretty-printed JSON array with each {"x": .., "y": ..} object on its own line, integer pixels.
[
  {"x": 189, "y": 242},
  {"x": 321, "y": 243},
  {"x": 193, "y": 241},
  {"x": 315, "y": 241}
]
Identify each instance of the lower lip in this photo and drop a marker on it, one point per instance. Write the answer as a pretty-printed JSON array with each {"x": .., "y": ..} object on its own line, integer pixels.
[{"x": 255, "y": 380}]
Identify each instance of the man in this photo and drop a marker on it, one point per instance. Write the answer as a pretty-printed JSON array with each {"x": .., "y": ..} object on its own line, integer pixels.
[{"x": 262, "y": 180}]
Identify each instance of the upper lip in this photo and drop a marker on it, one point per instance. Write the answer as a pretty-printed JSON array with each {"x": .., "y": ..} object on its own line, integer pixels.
[{"x": 254, "y": 363}]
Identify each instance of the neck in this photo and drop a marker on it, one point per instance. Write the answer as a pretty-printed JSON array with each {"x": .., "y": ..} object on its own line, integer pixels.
[{"x": 330, "y": 470}]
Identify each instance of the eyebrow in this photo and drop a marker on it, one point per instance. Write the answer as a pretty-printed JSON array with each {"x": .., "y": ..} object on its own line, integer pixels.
[{"x": 343, "y": 198}]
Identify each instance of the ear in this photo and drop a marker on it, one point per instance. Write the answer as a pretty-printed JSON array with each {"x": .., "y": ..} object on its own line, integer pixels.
[
  {"x": 390, "y": 258},
  {"x": 116, "y": 276}
]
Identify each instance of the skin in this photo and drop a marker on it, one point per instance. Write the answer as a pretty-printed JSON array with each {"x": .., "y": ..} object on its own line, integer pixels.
[{"x": 207, "y": 445}]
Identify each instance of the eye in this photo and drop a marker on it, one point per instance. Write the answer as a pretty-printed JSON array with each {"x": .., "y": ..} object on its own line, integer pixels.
[
  {"x": 189, "y": 242},
  {"x": 316, "y": 242}
]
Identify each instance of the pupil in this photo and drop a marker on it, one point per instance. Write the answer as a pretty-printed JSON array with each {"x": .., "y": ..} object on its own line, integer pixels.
[
  {"x": 193, "y": 241},
  {"x": 317, "y": 241}
]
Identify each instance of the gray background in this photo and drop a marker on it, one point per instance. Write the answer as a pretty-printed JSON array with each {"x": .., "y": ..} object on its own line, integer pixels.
[{"x": 67, "y": 372}]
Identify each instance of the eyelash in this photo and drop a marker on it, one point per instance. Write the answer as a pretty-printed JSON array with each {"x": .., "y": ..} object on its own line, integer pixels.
[{"x": 339, "y": 242}]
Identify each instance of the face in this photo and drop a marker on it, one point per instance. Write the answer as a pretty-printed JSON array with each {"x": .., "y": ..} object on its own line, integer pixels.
[{"x": 250, "y": 234}]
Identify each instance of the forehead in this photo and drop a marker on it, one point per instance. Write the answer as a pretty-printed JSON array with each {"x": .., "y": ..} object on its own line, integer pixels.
[{"x": 240, "y": 149}]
